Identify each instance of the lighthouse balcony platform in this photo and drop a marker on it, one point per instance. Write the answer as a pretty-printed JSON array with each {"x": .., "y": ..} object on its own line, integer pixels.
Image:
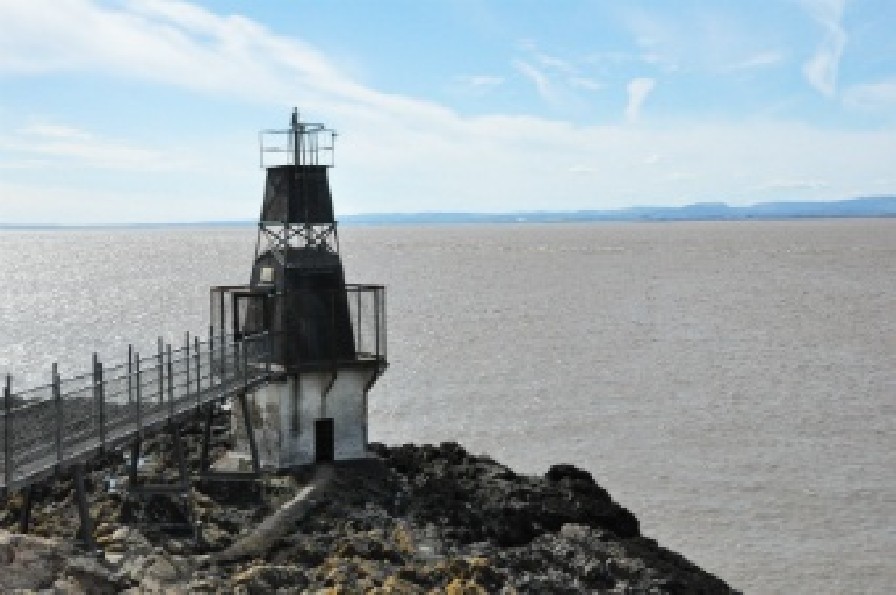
[{"x": 307, "y": 330}]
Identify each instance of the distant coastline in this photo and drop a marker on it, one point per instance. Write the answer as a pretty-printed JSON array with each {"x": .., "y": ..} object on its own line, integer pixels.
[{"x": 865, "y": 207}]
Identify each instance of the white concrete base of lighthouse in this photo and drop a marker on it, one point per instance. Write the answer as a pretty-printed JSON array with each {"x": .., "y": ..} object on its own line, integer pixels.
[{"x": 307, "y": 418}]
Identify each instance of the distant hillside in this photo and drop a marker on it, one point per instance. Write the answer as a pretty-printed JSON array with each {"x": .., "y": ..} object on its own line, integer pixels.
[
  {"x": 884, "y": 206},
  {"x": 880, "y": 206}
]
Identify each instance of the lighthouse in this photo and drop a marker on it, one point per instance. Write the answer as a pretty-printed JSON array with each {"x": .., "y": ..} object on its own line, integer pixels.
[{"x": 324, "y": 340}]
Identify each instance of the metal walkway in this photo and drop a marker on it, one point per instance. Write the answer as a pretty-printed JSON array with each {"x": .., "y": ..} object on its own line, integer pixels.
[{"x": 69, "y": 421}]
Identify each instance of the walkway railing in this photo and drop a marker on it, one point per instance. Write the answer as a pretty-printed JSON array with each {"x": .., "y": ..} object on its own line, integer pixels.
[{"x": 72, "y": 419}]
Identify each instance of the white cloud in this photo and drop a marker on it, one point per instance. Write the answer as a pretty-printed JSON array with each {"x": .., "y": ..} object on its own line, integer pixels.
[
  {"x": 397, "y": 153},
  {"x": 555, "y": 63},
  {"x": 821, "y": 69},
  {"x": 814, "y": 184},
  {"x": 760, "y": 60},
  {"x": 538, "y": 78},
  {"x": 23, "y": 164},
  {"x": 53, "y": 131},
  {"x": 638, "y": 90},
  {"x": 879, "y": 96},
  {"x": 56, "y": 145},
  {"x": 559, "y": 81},
  {"x": 588, "y": 84},
  {"x": 481, "y": 81}
]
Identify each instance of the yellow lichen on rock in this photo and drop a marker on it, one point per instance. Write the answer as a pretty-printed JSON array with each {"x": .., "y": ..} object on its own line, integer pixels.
[{"x": 461, "y": 586}]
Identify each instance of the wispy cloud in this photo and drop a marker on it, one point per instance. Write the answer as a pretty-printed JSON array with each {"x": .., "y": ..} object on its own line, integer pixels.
[
  {"x": 538, "y": 78},
  {"x": 588, "y": 84},
  {"x": 546, "y": 60},
  {"x": 760, "y": 60},
  {"x": 878, "y": 97},
  {"x": 555, "y": 63},
  {"x": 481, "y": 81},
  {"x": 54, "y": 131},
  {"x": 801, "y": 184},
  {"x": 821, "y": 69},
  {"x": 638, "y": 90},
  {"x": 56, "y": 145},
  {"x": 559, "y": 81},
  {"x": 659, "y": 39},
  {"x": 515, "y": 159}
]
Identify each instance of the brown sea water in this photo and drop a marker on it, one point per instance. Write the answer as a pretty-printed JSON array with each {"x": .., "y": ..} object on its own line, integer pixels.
[{"x": 733, "y": 384}]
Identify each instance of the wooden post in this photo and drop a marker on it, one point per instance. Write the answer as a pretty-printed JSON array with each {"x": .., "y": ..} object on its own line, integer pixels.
[
  {"x": 25, "y": 515},
  {"x": 86, "y": 530},
  {"x": 206, "y": 438},
  {"x": 179, "y": 455},
  {"x": 250, "y": 432},
  {"x": 134, "y": 465}
]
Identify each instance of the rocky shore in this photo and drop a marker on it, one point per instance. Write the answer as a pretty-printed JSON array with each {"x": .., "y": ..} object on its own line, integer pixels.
[{"x": 411, "y": 519}]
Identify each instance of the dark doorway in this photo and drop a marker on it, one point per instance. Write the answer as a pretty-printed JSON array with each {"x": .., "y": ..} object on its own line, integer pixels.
[{"x": 323, "y": 440}]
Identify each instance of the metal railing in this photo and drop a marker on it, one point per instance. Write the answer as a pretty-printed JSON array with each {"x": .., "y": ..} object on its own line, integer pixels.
[
  {"x": 71, "y": 419},
  {"x": 310, "y": 329}
]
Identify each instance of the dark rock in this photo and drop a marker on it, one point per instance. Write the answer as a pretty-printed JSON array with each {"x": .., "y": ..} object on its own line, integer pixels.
[
  {"x": 557, "y": 472},
  {"x": 412, "y": 519}
]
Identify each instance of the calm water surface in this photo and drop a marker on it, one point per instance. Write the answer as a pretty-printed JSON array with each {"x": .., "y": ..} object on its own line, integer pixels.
[{"x": 731, "y": 383}]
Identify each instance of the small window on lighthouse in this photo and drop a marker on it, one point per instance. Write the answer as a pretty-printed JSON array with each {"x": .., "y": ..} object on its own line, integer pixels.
[{"x": 266, "y": 275}]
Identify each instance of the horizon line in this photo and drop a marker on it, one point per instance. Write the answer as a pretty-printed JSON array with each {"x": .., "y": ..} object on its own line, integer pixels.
[{"x": 793, "y": 209}]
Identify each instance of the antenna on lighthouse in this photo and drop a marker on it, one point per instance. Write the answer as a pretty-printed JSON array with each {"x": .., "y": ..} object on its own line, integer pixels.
[{"x": 303, "y": 143}]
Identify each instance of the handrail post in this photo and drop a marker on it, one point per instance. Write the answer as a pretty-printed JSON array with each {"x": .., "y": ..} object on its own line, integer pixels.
[
  {"x": 223, "y": 351},
  {"x": 130, "y": 373},
  {"x": 245, "y": 354},
  {"x": 161, "y": 364},
  {"x": 198, "y": 351},
  {"x": 358, "y": 293},
  {"x": 7, "y": 428},
  {"x": 270, "y": 356},
  {"x": 139, "y": 394},
  {"x": 211, "y": 356},
  {"x": 188, "y": 360},
  {"x": 99, "y": 396},
  {"x": 170, "y": 370},
  {"x": 57, "y": 398},
  {"x": 376, "y": 324}
]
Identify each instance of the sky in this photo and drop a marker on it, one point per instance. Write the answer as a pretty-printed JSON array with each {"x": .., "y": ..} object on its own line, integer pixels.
[{"x": 149, "y": 110}]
